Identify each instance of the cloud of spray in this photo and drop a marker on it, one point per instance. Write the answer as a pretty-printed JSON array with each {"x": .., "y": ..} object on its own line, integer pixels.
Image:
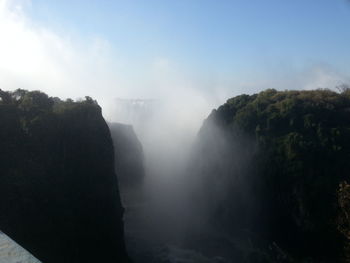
[{"x": 36, "y": 57}]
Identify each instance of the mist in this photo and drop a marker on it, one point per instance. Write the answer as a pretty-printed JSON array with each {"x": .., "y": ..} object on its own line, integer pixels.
[
  {"x": 67, "y": 64},
  {"x": 167, "y": 102}
]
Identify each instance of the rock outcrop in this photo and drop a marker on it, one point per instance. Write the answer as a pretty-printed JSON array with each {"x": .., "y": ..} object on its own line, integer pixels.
[
  {"x": 128, "y": 155},
  {"x": 59, "y": 194},
  {"x": 268, "y": 167}
]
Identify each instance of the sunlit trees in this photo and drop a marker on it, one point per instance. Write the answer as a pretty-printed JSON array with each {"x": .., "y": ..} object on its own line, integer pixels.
[{"x": 302, "y": 153}]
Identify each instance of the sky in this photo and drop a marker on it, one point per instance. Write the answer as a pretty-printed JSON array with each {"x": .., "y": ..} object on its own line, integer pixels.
[
  {"x": 219, "y": 36},
  {"x": 199, "y": 52}
]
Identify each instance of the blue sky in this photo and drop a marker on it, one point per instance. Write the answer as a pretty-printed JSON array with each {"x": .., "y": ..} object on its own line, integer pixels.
[
  {"x": 192, "y": 54},
  {"x": 218, "y": 36}
]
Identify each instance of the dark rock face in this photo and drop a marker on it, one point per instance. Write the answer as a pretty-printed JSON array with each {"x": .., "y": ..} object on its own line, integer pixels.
[
  {"x": 268, "y": 167},
  {"x": 128, "y": 155},
  {"x": 59, "y": 194}
]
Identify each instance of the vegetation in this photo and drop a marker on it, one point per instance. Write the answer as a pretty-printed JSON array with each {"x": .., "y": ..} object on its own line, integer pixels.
[
  {"x": 286, "y": 152},
  {"x": 58, "y": 193}
]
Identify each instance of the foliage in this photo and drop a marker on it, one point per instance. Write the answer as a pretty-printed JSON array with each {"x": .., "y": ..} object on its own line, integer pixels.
[
  {"x": 302, "y": 150},
  {"x": 58, "y": 192}
]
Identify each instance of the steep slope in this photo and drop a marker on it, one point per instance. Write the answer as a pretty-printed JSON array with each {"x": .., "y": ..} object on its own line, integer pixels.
[
  {"x": 59, "y": 194},
  {"x": 268, "y": 167},
  {"x": 128, "y": 155}
]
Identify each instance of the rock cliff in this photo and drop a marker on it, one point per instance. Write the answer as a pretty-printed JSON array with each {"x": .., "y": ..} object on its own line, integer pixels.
[
  {"x": 268, "y": 167},
  {"x": 128, "y": 155},
  {"x": 59, "y": 194}
]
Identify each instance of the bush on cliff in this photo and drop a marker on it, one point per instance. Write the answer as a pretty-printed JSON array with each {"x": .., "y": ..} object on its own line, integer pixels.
[{"x": 280, "y": 156}]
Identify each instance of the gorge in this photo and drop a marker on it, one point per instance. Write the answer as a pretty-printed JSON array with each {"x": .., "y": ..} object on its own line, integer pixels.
[{"x": 264, "y": 180}]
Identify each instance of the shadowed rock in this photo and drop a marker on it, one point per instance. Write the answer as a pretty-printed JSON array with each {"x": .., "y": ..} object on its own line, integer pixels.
[
  {"x": 128, "y": 155},
  {"x": 59, "y": 194}
]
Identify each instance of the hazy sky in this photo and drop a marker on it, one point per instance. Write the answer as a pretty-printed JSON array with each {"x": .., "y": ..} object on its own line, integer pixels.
[{"x": 184, "y": 49}]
